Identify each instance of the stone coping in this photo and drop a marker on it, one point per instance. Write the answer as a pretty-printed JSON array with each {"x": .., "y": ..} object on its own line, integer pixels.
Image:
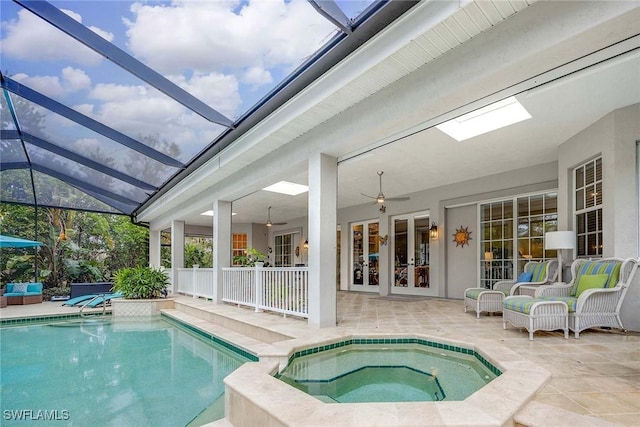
[{"x": 255, "y": 397}]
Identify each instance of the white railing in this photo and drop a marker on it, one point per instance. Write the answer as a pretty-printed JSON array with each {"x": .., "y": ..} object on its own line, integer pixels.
[
  {"x": 281, "y": 289},
  {"x": 239, "y": 286},
  {"x": 197, "y": 282}
]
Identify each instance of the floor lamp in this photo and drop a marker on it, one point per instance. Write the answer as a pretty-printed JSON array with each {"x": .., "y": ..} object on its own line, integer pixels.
[{"x": 559, "y": 240}]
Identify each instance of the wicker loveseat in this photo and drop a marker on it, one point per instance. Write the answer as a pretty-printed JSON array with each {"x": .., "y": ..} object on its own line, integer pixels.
[{"x": 23, "y": 293}]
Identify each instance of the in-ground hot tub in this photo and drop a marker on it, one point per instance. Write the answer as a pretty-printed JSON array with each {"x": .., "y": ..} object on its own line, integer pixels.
[
  {"x": 254, "y": 396},
  {"x": 388, "y": 370}
]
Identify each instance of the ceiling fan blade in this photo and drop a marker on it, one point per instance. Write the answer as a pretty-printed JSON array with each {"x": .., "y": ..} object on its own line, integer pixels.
[
  {"x": 396, "y": 199},
  {"x": 371, "y": 197}
]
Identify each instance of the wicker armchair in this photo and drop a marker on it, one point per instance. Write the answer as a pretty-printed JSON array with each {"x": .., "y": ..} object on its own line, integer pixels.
[
  {"x": 490, "y": 300},
  {"x": 593, "y": 307},
  {"x": 543, "y": 273}
]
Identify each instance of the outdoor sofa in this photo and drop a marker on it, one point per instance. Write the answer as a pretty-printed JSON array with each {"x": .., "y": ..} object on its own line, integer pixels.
[{"x": 23, "y": 293}]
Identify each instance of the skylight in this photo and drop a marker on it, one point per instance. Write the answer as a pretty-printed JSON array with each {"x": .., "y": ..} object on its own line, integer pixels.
[
  {"x": 210, "y": 213},
  {"x": 289, "y": 188},
  {"x": 486, "y": 119}
]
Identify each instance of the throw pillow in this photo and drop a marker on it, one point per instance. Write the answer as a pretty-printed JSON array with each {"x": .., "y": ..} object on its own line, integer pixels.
[
  {"x": 20, "y": 288},
  {"x": 525, "y": 276},
  {"x": 591, "y": 281}
]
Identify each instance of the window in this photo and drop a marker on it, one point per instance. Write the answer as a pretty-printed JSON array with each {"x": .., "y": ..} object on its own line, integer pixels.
[
  {"x": 503, "y": 229},
  {"x": 588, "y": 208},
  {"x": 284, "y": 250},
  {"x": 238, "y": 247}
]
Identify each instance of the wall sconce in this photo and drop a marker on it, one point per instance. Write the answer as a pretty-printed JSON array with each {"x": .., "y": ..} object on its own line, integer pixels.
[
  {"x": 383, "y": 239},
  {"x": 433, "y": 231},
  {"x": 306, "y": 244}
]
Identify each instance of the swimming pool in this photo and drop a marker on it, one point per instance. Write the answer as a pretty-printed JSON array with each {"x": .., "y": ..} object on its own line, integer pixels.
[
  {"x": 110, "y": 372},
  {"x": 387, "y": 372}
]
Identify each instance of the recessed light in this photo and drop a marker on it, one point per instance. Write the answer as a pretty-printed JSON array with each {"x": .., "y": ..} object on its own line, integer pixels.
[
  {"x": 289, "y": 188},
  {"x": 494, "y": 116}
]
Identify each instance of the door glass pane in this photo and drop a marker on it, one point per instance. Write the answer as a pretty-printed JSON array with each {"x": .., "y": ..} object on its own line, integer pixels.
[
  {"x": 374, "y": 247},
  {"x": 421, "y": 248},
  {"x": 401, "y": 259},
  {"x": 358, "y": 254}
]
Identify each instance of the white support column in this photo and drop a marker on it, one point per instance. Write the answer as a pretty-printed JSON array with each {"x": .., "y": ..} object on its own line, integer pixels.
[
  {"x": 323, "y": 191},
  {"x": 177, "y": 250},
  {"x": 154, "y": 248},
  {"x": 221, "y": 244}
]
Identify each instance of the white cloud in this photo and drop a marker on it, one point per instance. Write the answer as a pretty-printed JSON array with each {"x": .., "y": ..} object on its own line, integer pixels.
[
  {"x": 29, "y": 38},
  {"x": 257, "y": 76},
  {"x": 72, "y": 80},
  {"x": 47, "y": 85},
  {"x": 75, "y": 80},
  {"x": 210, "y": 36}
]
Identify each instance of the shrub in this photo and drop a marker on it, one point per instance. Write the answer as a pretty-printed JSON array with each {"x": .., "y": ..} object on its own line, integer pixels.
[{"x": 140, "y": 282}]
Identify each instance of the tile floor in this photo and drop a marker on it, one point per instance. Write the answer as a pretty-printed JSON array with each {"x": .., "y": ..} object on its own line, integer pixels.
[{"x": 597, "y": 375}]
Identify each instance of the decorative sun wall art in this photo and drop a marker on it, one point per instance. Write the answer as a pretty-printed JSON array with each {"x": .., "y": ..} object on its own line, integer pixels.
[{"x": 462, "y": 236}]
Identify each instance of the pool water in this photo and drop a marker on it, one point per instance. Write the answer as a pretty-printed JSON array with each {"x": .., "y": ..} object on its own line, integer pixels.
[
  {"x": 395, "y": 373},
  {"x": 107, "y": 372}
]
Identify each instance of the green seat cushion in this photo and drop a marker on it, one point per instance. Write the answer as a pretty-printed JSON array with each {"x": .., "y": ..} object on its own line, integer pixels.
[
  {"x": 610, "y": 268},
  {"x": 591, "y": 281},
  {"x": 570, "y": 301},
  {"x": 519, "y": 304},
  {"x": 475, "y": 293}
]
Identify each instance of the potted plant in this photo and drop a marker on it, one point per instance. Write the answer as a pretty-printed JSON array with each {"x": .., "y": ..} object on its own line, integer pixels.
[
  {"x": 250, "y": 258},
  {"x": 142, "y": 288}
]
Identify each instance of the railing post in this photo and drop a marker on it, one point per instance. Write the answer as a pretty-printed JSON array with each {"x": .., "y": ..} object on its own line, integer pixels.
[
  {"x": 194, "y": 278},
  {"x": 259, "y": 268}
]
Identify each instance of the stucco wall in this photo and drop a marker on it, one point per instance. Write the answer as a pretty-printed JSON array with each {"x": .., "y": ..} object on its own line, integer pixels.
[{"x": 614, "y": 138}]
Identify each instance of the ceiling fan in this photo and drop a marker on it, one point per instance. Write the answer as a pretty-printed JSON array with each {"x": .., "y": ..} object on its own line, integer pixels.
[
  {"x": 269, "y": 223},
  {"x": 380, "y": 198}
]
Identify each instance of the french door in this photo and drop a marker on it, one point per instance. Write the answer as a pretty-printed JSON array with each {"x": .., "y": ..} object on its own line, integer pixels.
[
  {"x": 410, "y": 246},
  {"x": 365, "y": 245}
]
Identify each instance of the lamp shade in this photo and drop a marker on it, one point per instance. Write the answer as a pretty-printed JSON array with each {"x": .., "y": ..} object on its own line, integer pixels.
[{"x": 559, "y": 240}]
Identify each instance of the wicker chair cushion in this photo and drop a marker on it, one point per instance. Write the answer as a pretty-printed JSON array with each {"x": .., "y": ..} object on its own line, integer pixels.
[
  {"x": 612, "y": 269},
  {"x": 521, "y": 305},
  {"x": 539, "y": 271},
  {"x": 525, "y": 276},
  {"x": 591, "y": 281},
  {"x": 570, "y": 301},
  {"x": 475, "y": 293}
]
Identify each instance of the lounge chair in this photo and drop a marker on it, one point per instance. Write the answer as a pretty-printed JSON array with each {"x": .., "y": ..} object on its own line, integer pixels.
[
  {"x": 102, "y": 299},
  {"x": 491, "y": 300},
  {"x": 77, "y": 300}
]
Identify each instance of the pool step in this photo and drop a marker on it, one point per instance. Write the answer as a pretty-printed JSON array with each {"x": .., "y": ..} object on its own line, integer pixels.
[
  {"x": 216, "y": 315},
  {"x": 245, "y": 342}
]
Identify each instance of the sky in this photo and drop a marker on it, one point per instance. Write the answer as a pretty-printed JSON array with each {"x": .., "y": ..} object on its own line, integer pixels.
[{"x": 227, "y": 53}]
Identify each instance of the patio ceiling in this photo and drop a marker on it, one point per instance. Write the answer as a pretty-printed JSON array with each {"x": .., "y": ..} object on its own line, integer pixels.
[
  {"x": 587, "y": 77},
  {"x": 102, "y": 105}
]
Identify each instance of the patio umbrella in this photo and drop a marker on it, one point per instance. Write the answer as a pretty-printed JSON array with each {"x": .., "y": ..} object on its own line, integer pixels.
[{"x": 14, "y": 242}]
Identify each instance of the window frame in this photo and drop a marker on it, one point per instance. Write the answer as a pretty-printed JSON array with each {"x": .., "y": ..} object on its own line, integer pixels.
[{"x": 582, "y": 250}]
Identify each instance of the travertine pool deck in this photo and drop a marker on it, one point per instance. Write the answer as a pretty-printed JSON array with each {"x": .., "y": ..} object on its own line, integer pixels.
[{"x": 594, "y": 380}]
